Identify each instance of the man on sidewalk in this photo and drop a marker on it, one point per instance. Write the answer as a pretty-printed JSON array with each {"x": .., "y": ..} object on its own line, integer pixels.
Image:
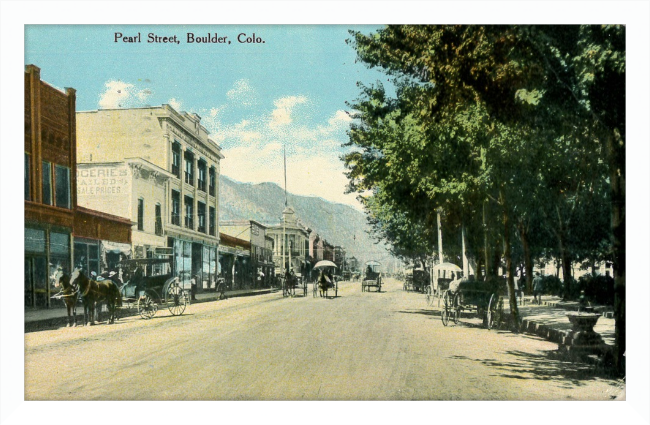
[{"x": 537, "y": 289}]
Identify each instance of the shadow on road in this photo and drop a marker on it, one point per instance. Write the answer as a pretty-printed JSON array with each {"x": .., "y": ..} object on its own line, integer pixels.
[{"x": 550, "y": 365}]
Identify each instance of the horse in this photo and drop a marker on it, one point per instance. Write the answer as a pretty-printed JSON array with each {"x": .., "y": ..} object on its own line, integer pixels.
[
  {"x": 93, "y": 292},
  {"x": 68, "y": 294},
  {"x": 324, "y": 284},
  {"x": 290, "y": 283}
]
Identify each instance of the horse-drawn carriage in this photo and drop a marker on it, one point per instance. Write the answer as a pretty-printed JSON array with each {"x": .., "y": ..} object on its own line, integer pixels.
[
  {"x": 483, "y": 297},
  {"x": 326, "y": 280},
  {"x": 146, "y": 293},
  {"x": 442, "y": 275},
  {"x": 416, "y": 280},
  {"x": 292, "y": 281},
  {"x": 372, "y": 277}
]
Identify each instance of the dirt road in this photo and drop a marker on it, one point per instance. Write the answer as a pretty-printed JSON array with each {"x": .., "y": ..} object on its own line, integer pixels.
[{"x": 358, "y": 346}]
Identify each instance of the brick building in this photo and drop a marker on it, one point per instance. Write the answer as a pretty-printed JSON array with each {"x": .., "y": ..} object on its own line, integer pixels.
[{"x": 53, "y": 223}]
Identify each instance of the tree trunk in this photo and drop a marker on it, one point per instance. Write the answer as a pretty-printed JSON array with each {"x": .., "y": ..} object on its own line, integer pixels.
[
  {"x": 566, "y": 266},
  {"x": 528, "y": 262},
  {"x": 486, "y": 244},
  {"x": 616, "y": 149},
  {"x": 512, "y": 296}
]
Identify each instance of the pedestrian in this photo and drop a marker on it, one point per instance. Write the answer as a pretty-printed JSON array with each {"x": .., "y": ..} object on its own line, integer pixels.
[
  {"x": 193, "y": 284},
  {"x": 538, "y": 287}
]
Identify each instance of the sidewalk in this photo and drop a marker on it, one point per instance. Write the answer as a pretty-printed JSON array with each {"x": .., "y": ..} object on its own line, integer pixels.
[
  {"x": 56, "y": 317},
  {"x": 549, "y": 321}
]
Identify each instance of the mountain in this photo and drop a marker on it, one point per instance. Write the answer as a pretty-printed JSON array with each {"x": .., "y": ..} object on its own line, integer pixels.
[{"x": 264, "y": 202}]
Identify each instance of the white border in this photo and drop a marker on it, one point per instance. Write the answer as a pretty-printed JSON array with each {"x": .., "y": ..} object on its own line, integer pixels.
[{"x": 14, "y": 15}]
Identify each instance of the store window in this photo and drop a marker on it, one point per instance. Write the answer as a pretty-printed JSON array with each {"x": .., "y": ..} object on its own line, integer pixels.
[
  {"x": 34, "y": 240},
  {"x": 47, "y": 183},
  {"x": 176, "y": 208},
  {"x": 62, "y": 186},
  {"x": 86, "y": 256}
]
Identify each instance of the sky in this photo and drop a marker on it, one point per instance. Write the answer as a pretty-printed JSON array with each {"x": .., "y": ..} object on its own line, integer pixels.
[{"x": 286, "y": 90}]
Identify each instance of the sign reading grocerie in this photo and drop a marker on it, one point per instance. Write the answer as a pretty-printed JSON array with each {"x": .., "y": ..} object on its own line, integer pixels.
[{"x": 105, "y": 187}]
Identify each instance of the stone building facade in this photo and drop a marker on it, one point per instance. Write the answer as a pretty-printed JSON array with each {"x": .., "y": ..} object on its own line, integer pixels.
[{"x": 176, "y": 150}]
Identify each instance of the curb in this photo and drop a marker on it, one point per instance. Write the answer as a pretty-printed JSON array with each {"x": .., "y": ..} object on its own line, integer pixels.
[{"x": 62, "y": 321}]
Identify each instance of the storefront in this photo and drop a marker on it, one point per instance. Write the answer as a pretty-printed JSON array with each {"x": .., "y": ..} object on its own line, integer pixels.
[
  {"x": 46, "y": 250},
  {"x": 193, "y": 258}
]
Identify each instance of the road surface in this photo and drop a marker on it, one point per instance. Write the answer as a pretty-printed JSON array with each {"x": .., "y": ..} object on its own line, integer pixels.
[{"x": 358, "y": 346}]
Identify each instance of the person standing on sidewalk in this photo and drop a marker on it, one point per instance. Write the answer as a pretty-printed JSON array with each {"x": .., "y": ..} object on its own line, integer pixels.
[
  {"x": 193, "y": 284},
  {"x": 538, "y": 287}
]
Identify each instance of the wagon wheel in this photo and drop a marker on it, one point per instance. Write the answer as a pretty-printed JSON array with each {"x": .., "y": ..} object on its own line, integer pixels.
[
  {"x": 146, "y": 307},
  {"x": 457, "y": 308},
  {"x": 494, "y": 311},
  {"x": 176, "y": 299},
  {"x": 445, "y": 310},
  {"x": 429, "y": 295}
]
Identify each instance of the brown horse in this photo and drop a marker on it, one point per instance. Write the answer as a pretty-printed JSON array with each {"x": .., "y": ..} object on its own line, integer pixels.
[
  {"x": 93, "y": 292},
  {"x": 68, "y": 294}
]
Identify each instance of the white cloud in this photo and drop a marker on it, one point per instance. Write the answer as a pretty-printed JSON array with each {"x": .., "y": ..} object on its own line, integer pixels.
[
  {"x": 340, "y": 119},
  {"x": 176, "y": 104},
  {"x": 242, "y": 94},
  {"x": 120, "y": 94},
  {"x": 281, "y": 115},
  {"x": 254, "y": 147}
]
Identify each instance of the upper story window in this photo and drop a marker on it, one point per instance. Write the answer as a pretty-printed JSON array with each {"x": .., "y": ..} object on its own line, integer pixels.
[
  {"x": 62, "y": 185},
  {"x": 140, "y": 214},
  {"x": 176, "y": 208},
  {"x": 189, "y": 168},
  {"x": 189, "y": 212},
  {"x": 213, "y": 181},
  {"x": 27, "y": 182},
  {"x": 212, "y": 220},
  {"x": 200, "y": 206},
  {"x": 202, "y": 168},
  {"x": 47, "y": 183},
  {"x": 159, "y": 230},
  {"x": 176, "y": 159}
]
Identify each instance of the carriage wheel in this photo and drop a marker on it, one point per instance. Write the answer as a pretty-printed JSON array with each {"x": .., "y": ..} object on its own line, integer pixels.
[
  {"x": 429, "y": 295},
  {"x": 445, "y": 310},
  {"x": 176, "y": 299},
  {"x": 457, "y": 308},
  {"x": 494, "y": 311},
  {"x": 146, "y": 307}
]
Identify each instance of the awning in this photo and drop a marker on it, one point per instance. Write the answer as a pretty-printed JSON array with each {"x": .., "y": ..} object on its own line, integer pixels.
[{"x": 116, "y": 248}]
